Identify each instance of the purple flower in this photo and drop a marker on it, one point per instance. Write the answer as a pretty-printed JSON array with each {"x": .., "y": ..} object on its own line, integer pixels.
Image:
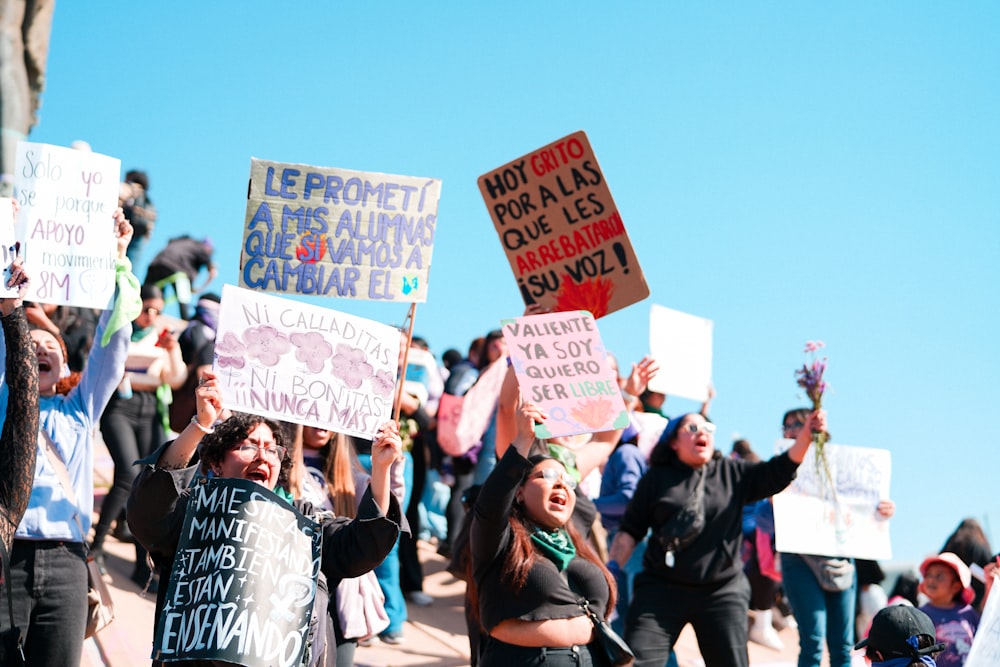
[
  {"x": 350, "y": 364},
  {"x": 266, "y": 344},
  {"x": 383, "y": 383},
  {"x": 313, "y": 349},
  {"x": 231, "y": 351}
]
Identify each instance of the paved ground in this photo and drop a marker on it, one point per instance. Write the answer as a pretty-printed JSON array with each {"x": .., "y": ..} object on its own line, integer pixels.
[{"x": 434, "y": 635}]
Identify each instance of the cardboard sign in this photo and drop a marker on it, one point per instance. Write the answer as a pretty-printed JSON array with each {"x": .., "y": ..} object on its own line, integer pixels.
[
  {"x": 9, "y": 245},
  {"x": 448, "y": 414},
  {"x": 336, "y": 232},
  {"x": 812, "y": 516},
  {"x": 682, "y": 344},
  {"x": 298, "y": 362},
  {"x": 561, "y": 230},
  {"x": 65, "y": 224},
  {"x": 985, "y": 650},
  {"x": 243, "y": 580},
  {"x": 562, "y": 366}
]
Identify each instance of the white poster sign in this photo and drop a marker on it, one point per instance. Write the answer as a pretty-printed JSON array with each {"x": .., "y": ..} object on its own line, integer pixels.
[
  {"x": 985, "y": 650},
  {"x": 834, "y": 513},
  {"x": 65, "y": 224},
  {"x": 682, "y": 344},
  {"x": 298, "y": 362}
]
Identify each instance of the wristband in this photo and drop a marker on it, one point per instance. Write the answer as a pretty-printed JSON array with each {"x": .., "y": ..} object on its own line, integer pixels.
[{"x": 206, "y": 430}]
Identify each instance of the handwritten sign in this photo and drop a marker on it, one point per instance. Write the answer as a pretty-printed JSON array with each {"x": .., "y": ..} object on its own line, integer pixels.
[
  {"x": 9, "y": 246},
  {"x": 682, "y": 345},
  {"x": 65, "y": 224},
  {"x": 985, "y": 650},
  {"x": 563, "y": 234},
  {"x": 448, "y": 414},
  {"x": 340, "y": 233},
  {"x": 561, "y": 365},
  {"x": 814, "y": 517},
  {"x": 243, "y": 580},
  {"x": 298, "y": 362}
]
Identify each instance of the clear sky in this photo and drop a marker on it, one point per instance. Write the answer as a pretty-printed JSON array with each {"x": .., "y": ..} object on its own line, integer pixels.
[{"x": 791, "y": 171}]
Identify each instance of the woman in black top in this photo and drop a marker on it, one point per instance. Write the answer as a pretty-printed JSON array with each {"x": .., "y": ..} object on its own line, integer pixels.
[
  {"x": 531, "y": 568},
  {"x": 692, "y": 498}
]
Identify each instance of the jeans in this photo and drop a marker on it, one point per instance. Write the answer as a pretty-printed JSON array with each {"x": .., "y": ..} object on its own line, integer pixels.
[
  {"x": 388, "y": 572},
  {"x": 819, "y": 614},
  {"x": 49, "y": 580}
]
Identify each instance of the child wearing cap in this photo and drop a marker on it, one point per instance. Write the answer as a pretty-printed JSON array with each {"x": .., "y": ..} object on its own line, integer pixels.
[
  {"x": 947, "y": 584},
  {"x": 901, "y": 636}
]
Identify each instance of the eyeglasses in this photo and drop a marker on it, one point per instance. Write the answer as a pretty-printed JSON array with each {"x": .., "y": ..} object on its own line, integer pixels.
[
  {"x": 707, "y": 427},
  {"x": 553, "y": 475},
  {"x": 250, "y": 451},
  {"x": 152, "y": 310},
  {"x": 792, "y": 426}
]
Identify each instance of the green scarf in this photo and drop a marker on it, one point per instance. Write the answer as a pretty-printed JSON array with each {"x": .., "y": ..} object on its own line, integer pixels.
[
  {"x": 556, "y": 546},
  {"x": 127, "y": 304}
]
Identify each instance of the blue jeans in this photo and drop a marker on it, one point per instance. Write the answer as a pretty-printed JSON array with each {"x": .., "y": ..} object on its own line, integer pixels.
[
  {"x": 388, "y": 572},
  {"x": 49, "y": 580},
  {"x": 819, "y": 613}
]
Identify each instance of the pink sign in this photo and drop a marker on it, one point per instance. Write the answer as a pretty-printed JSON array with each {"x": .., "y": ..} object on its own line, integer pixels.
[{"x": 562, "y": 366}]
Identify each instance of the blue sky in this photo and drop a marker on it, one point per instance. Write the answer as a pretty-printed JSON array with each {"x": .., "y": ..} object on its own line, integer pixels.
[{"x": 792, "y": 171}]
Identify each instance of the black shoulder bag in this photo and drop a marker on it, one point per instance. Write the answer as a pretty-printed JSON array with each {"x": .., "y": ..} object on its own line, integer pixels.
[
  {"x": 11, "y": 640},
  {"x": 615, "y": 649},
  {"x": 687, "y": 524}
]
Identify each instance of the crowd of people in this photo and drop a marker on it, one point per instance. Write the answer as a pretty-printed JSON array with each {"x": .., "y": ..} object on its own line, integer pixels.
[{"x": 648, "y": 527}]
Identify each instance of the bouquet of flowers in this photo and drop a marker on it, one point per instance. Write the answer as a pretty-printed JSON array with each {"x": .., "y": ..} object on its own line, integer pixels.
[{"x": 810, "y": 378}]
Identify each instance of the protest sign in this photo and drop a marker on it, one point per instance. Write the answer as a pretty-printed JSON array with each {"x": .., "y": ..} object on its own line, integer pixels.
[
  {"x": 9, "y": 245},
  {"x": 243, "y": 580},
  {"x": 682, "y": 345},
  {"x": 836, "y": 515},
  {"x": 563, "y": 234},
  {"x": 985, "y": 650},
  {"x": 335, "y": 232},
  {"x": 298, "y": 362},
  {"x": 65, "y": 224},
  {"x": 448, "y": 414},
  {"x": 562, "y": 366}
]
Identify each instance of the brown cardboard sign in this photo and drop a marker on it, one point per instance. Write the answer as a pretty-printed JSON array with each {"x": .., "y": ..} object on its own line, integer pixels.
[{"x": 561, "y": 230}]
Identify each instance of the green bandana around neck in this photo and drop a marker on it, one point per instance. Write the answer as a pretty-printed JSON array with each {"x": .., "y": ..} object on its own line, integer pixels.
[{"x": 556, "y": 545}]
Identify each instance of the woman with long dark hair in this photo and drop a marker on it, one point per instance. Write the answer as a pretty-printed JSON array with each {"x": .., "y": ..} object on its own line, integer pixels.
[{"x": 531, "y": 567}]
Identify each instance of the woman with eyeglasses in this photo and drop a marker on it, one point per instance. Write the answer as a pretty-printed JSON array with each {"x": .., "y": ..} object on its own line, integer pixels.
[
  {"x": 692, "y": 499},
  {"x": 254, "y": 448},
  {"x": 132, "y": 424},
  {"x": 530, "y": 565}
]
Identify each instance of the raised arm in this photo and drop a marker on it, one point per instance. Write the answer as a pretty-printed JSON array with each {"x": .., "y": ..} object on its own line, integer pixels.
[
  {"x": 208, "y": 403},
  {"x": 20, "y": 426},
  {"x": 815, "y": 423},
  {"x": 387, "y": 448}
]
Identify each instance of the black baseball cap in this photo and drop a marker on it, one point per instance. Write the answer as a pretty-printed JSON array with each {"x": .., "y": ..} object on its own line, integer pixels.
[{"x": 896, "y": 631}]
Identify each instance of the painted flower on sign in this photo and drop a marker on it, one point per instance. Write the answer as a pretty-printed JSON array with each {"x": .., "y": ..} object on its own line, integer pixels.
[
  {"x": 594, "y": 413},
  {"x": 230, "y": 351},
  {"x": 350, "y": 364},
  {"x": 383, "y": 383},
  {"x": 593, "y": 295},
  {"x": 266, "y": 344},
  {"x": 312, "y": 349}
]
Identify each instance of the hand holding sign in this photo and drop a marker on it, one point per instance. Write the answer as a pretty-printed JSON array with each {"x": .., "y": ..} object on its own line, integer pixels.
[
  {"x": 123, "y": 231},
  {"x": 387, "y": 448},
  {"x": 208, "y": 400},
  {"x": 18, "y": 280}
]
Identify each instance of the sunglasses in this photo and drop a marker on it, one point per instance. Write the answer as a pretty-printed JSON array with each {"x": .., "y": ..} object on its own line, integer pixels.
[
  {"x": 792, "y": 426},
  {"x": 707, "y": 427},
  {"x": 553, "y": 475}
]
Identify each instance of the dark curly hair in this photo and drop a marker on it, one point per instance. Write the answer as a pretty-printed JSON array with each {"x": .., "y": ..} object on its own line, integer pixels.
[{"x": 235, "y": 430}]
